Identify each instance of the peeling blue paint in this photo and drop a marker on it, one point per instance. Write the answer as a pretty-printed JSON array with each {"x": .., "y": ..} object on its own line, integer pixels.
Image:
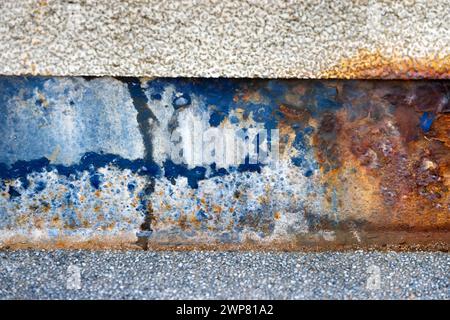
[
  {"x": 426, "y": 121},
  {"x": 88, "y": 162},
  {"x": 88, "y": 154}
]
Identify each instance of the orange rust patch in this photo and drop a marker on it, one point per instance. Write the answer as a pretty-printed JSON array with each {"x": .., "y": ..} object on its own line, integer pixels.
[
  {"x": 38, "y": 222},
  {"x": 56, "y": 222},
  {"x": 251, "y": 96},
  {"x": 392, "y": 175},
  {"x": 375, "y": 65},
  {"x": 22, "y": 219},
  {"x": 248, "y": 95},
  {"x": 441, "y": 128},
  {"x": 46, "y": 207},
  {"x": 182, "y": 221},
  {"x": 295, "y": 114},
  {"x": 374, "y": 240}
]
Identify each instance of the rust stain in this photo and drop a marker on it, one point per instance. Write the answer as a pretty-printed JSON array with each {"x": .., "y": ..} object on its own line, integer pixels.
[
  {"x": 383, "y": 240},
  {"x": 182, "y": 221},
  {"x": 375, "y": 65},
  {"x": 442, "y": 129},
  {"x": 399, "y": 173},
  {"x": 295, "y": 114},
  {"x": 46, "y": 207}
]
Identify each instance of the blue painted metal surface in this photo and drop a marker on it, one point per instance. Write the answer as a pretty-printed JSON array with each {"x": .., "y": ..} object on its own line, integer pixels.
[{"x": 219, "y": 161}]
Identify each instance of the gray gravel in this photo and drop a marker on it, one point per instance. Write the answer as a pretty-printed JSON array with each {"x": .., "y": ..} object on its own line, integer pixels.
[{"x": 222, "y": 275}]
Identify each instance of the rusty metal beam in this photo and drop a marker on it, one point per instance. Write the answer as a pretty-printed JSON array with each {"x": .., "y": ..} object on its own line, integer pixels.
[{"x": 132, "y": 163}]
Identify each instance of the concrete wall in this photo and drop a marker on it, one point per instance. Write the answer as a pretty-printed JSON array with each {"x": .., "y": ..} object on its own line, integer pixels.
[{"x": 211, "y": 38}]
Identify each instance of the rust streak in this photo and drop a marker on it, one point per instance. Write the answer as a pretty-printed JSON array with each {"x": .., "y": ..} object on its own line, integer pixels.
[{"x": 375, "y": 65}]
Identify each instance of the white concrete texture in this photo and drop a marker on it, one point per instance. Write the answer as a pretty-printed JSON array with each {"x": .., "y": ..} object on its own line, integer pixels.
[{"x": 233, "y": 38}]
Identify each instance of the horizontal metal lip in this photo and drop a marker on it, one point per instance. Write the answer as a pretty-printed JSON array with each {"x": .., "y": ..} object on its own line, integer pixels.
[{"x": 359, "y": 163}]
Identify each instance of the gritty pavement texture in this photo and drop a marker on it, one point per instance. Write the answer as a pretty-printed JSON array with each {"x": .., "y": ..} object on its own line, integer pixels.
[
  {"x": 236, "y": 38},
  {"x": 223, "y": 275}
]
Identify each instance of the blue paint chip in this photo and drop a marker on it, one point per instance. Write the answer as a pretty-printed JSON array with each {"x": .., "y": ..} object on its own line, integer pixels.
[
  {"x": 40, "y": 186},
  {"x": 216, "y": 118},
  {"x": 173, "y": 170},
  {"x": 308, "y": 173},
  {"x": 131, "y": 187},
  {"x": 181, "y": 101},
  {"x": 201, "y": 215},
  {"x": 297, "y": 161},
  {"x": 96, "y": 180},
  {"x": 13, "y": 193},
  {"x": 156, "y": 96},
  {"x": 24, "y": 182},
  {"x": 426, "y": 120},
  {"x": 309, "y": 130},
  {"x": 234, "y": 119}
]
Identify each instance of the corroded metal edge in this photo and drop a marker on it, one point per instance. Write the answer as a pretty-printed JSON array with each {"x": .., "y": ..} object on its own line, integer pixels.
[{"x": 342, "y": 241}]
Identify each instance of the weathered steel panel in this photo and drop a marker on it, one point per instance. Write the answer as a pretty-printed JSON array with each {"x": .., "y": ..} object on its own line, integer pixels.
[{"x": 90, "y": 162}]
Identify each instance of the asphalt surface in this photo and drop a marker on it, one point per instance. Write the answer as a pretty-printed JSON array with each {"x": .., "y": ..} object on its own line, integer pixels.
[{"x": 34, "y": 274}]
